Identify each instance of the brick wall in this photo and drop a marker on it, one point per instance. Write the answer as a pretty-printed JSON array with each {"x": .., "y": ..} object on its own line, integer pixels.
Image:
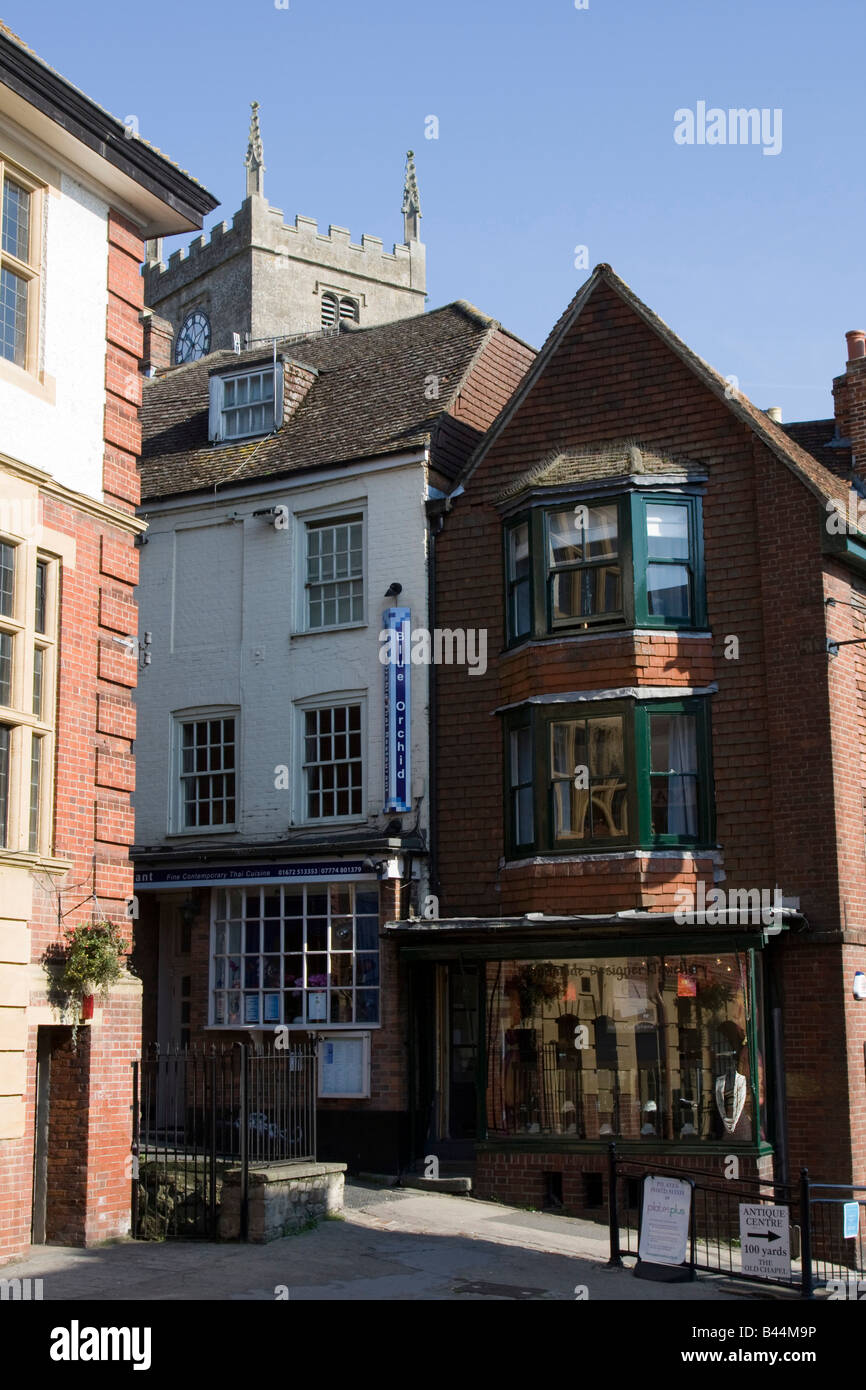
[
  {"x": 787, "y": 725},
  {"x": 91, "y": 1089}
]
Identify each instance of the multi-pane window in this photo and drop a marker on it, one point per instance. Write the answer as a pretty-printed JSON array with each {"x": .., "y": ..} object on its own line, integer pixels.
[
  {"x": 587, "y": 775},
  {"x": 610, "y": 773},
  {"x": 335, "y": 572},
  {"x": 248, "y": 404},
  {"x": 29, "y": 590},
  {"x": 332, "y": 762},
  {"x": 306, "y": 955},
  {"x": 584, "y": 574},
  {"x": 207, "y": 773},
  {"x": 630, "y": 561},
  {"x": 19, "y": 265}
]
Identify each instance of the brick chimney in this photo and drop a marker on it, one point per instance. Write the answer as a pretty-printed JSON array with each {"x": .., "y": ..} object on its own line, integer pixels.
[
  {"x": 849, "y": 401},
  {"x": 158, "y": 338}
]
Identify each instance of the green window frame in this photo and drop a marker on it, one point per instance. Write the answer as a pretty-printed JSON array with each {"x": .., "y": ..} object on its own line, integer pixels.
[
  {"x": 668, "y": 560},
  {"x": 641, "y": 776},
  {"x": 605, "y": 562}
]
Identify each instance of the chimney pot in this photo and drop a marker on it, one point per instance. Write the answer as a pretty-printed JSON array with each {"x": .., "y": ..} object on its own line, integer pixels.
[
  {"x": 775, "y": 413},
  {"x": 856, "y": 341}
]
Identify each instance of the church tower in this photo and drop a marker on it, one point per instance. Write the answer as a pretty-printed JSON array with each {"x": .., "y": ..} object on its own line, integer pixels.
[{"x": 264, "y": 278}]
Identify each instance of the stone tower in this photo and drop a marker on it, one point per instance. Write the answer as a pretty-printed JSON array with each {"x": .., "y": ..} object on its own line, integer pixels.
[{"x": 263, "y": 278}]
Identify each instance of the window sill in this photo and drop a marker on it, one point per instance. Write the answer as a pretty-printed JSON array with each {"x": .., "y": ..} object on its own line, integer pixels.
[
  {"x": 541, "y": 856},
  {"x": 565, "y": 635},
  {"x": 36, "y": 383},
  {"x": 202, "y": 833},
  {"x": 27, "y": 859},
  {"x": 327, "y": 631}
]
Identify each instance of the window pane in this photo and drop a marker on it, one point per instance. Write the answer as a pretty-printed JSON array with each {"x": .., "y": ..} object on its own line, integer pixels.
[
  {"x": 13, "y": 317},
  {"x": 5, "y": 738},
  {"x": 41, "y": 595},
  {"x": 668, "y": 589},
  {"x": 521, "y": 757},
  {"x": 589, "y": 592},
  {"x": 667, "y": 527},
  {"x": 332, "y": 762},
  {"x": 6, "y": 648},
  {"x": 674, "y": 767},
  {"x": 601, "y": 531},
  {"x": 673, "y": 743},
  {"x": 7, "y": 579},
  {"x": 15, "y": 239},
  {"x": 38, "y": 680},
  {"x": 565, "y": 539},
  {"x": 35, "y": 779}
]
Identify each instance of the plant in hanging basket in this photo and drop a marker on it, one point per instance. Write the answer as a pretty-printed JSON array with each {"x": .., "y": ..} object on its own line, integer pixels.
[
  {"x": 91, "y": 965},
  {"x": 533, "y": 984}
]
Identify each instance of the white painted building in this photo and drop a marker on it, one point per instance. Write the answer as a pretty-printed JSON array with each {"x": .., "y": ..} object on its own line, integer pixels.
[{"x": 291, "y": 497}]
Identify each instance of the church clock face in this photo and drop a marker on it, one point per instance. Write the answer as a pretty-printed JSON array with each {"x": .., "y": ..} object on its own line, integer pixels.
[{"x": 193, "y": 340}]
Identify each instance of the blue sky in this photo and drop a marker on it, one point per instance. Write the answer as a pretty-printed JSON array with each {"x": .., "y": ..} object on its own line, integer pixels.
[{"x": 555, "y": 131}]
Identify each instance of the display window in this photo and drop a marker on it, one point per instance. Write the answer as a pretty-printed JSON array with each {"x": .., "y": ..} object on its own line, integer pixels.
[{"x": 647, "y": 1048}]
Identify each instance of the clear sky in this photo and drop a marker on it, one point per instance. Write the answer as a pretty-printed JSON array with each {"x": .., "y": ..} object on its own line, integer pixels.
[{"x": 556, "y": 130}]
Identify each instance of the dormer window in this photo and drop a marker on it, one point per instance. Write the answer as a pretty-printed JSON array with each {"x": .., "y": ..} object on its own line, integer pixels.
[{"x": 245, "y": 404}]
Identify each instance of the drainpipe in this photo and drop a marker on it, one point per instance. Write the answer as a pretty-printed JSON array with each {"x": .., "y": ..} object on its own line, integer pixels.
[{"x": 780, "y": 1106}]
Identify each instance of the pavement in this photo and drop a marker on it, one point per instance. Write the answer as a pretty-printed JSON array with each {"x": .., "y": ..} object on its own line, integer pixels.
[{"x": 390, "y": 1244}]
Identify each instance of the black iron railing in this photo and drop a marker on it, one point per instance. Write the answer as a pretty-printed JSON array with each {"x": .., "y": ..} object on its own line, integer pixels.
[{"x": 197, "y": 1114}]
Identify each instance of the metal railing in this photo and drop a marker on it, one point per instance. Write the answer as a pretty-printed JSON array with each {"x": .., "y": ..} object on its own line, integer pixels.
[
  {"x": 820, "y": 1253},
  {"x": 197, "y": 1114}
]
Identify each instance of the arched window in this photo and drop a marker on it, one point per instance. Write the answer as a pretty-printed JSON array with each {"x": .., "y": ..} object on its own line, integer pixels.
[
  {"x": 330, "y": 310},
  {"x": 349, "y": 310}
]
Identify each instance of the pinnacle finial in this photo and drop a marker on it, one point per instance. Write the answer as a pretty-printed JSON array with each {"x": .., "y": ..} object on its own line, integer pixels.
[
  {"x": 411, "y": 201},
  {"x": 254, "y": 161}
]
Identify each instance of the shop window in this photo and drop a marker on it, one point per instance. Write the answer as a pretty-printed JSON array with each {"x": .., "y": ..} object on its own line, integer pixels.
[
  {"x": 661, "y": 1049},
  {"x": 303, "y": 956},
  {"x": 608, "y": 774},
  {"x": 626, "y": 561}
]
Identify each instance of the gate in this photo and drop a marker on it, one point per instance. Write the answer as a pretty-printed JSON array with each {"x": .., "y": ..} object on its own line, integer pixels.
[{"x": 197, "y": 1114}]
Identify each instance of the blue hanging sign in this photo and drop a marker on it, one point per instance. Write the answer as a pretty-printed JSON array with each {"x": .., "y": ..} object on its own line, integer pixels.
[{"x": 395, "y": 657}]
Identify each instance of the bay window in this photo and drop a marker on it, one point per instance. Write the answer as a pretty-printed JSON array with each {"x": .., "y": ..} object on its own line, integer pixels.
[
  {"x": 608, "y": 774},
  {"x": 629, "y": 561}
]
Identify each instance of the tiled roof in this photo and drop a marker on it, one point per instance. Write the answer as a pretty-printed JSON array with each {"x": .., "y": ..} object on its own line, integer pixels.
[
  {"x": 619, "y": 459},
  {"x": 814, "y": 436},
  {"x": 821, "y": 480},
  {"x": 368, "y": 400}
]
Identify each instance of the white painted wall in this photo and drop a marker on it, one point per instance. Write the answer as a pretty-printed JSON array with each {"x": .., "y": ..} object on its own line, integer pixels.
[
  {"x": 64, "y": 437},
  {"x": 224, "y": 636}
]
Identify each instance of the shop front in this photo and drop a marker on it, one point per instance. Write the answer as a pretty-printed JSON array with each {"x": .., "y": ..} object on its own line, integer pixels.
[{"x": 585, "y": 1036}]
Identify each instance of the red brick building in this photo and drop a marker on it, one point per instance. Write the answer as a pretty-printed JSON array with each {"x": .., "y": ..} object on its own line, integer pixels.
[
  {"x": 79, "y": 196},
  {"x": 649, "y": 853}
]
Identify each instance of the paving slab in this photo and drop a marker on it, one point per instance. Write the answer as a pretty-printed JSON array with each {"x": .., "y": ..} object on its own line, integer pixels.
[{"x": 392, "y": 1244}]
